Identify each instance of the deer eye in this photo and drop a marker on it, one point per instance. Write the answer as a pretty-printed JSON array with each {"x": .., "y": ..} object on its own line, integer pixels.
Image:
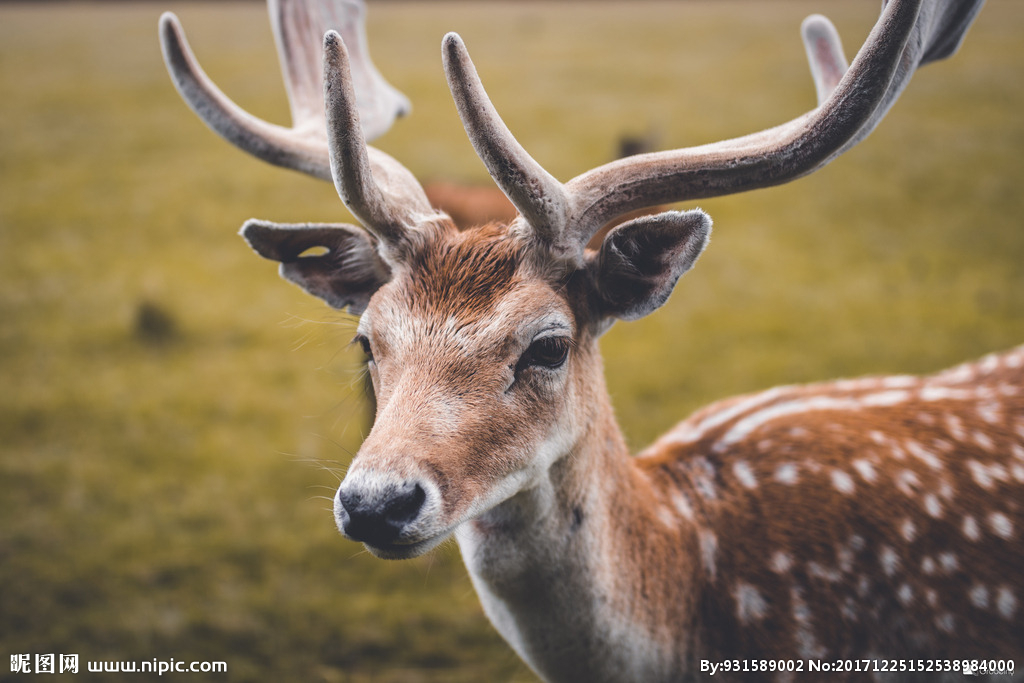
[
  {"x": 546, "y": 352},
  {"x": 365, "y": 344}
]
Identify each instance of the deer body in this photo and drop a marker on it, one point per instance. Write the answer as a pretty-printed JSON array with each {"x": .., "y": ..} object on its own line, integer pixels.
[
  {"x": 835, "y": 521},
  {"x": 871, "y": 518}
]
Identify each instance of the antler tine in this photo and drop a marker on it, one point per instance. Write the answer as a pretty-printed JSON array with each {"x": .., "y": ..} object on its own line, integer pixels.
[
  {"x": 302, "y": 149},
  {"x": 764, "y": 159},
  {"x": 824, "y": 54},
  {"x": 389, "y": 210},
  {"x": 298, "y": 26},
  {"x": 908, "y": 34},
  {"x": 535, "y": 193}
]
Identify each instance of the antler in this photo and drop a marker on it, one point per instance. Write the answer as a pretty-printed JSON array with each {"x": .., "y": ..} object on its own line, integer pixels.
[
  {"x": 361, "y": 106},
  {"x": 299, "y": 27},
  {"x": 852, "y": 102},
  {"x": 389, "y": 210}
]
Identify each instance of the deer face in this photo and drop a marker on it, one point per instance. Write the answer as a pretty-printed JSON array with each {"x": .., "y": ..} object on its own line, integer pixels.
[
  {"x": 481, "y": 347},
  {"x": 475, "y": 355}
]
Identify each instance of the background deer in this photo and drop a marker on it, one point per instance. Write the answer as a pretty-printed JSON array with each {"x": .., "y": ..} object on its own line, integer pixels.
[{"x": 875, "y": 519}]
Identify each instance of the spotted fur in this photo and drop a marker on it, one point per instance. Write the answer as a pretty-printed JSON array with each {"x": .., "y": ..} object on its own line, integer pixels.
[{"x": 873, "y": 517}]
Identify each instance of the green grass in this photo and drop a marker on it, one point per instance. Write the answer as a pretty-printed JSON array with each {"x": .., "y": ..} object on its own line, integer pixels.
[{"x": 174, "y": 418}]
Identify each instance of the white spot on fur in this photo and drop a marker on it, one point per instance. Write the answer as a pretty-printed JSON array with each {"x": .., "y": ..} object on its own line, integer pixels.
[
  {"x": 1006, "y": 602},
  {"x": 786, "y": 474},
  {"x": 900, "y": 381},
  {"x": 682, "y": 504},
  {"x": 908, "y": 530},
  {"x": 819, "y": 572},
  {"x": 949, "y": 562},
  {"x": 780, "y": 562},
  {"x": 886, "y": 398},
  {"x": 924, "y": 455},
  {"x": 857, "y": 543},
  {"x": 937, "y": 393},
  {"x": 961, "y": 373},
  {"x": 849, "y": 610},
  {"x": 905, "y": 594},
  {"x": 979, "y": 596},
  {"x": 990, "y": 363},
  {"x": 863, "y": 586},
  {"x": 812, "y": 466},
  {"x": 1007, "y": 390},
  {"x": 744, "y": 474},
  {"x": 928, "y": 565},
  {"x": 946, "y": 623},
  {"x": 806, "y": 644},
  {"x": 667, "y": 519},
  {"x": 931, "y": 597},
  {"x": 1018, "y": 450},
  {"x": 1018, "y": 472},
  {"x": 801, "y": 612},
  {"x": 750, "y": 604},
  {"x": 704, "y": 478},
  {"x": 907, "y": 482},
  {"x": 984, "y": 440},
  {"x": 842, "y": 481},
  {"x": 990, "y": 412},
  {"x": 971, "y": 529},
  {"x": 845, "y": 558},
  {"x": 932, "y": 505},
  {"x": 889, "y": 560},
  {"x": 708, "y": 552},
  {"x": 865, "y": 470},
  {"x": 955, "y": 427},
  {"x": 1000, "y": 524}
]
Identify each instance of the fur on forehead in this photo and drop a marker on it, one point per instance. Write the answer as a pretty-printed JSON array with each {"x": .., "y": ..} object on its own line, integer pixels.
[{"x": 465, "y": 273}]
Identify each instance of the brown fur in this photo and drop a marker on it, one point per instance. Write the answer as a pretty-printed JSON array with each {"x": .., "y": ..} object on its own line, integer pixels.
[{"x": 904, "y": 588}]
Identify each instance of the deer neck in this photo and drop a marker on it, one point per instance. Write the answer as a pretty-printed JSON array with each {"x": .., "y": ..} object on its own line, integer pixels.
[{"x": 572, "y": 568}]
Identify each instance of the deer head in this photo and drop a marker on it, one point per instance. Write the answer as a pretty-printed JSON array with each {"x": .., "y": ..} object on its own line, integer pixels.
[{"x": 481, "y": 343}]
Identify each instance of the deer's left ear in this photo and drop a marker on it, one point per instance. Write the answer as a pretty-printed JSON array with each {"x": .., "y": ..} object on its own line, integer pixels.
[
  {"x": 640, "y": 261},
  {"x": 345, "y": 269}
]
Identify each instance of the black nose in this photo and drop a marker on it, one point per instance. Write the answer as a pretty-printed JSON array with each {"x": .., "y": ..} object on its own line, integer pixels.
[{"x": 379, "y": 519}]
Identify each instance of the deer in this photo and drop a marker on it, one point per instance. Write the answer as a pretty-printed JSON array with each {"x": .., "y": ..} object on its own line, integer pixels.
[{"x": 872, "y": 526}]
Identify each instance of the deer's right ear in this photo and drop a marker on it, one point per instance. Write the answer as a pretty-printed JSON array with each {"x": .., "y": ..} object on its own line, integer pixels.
[{"x": 333, "y": 261}]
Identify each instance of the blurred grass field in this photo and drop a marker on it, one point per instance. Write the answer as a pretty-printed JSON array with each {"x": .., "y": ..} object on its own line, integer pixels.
[{"x": 174, "y": 418}]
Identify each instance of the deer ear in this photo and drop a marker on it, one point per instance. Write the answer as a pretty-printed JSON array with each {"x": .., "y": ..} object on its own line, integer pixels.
[
  {"x": 345, "y": 273},
  {"x": 640, "y": 261}
]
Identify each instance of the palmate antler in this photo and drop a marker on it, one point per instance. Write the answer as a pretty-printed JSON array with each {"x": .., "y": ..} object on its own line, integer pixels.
[{"x": 560, "y": 216}]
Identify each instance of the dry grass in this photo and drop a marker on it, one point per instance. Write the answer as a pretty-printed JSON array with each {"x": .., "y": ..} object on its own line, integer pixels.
[{"x": 173, "y": 416}]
